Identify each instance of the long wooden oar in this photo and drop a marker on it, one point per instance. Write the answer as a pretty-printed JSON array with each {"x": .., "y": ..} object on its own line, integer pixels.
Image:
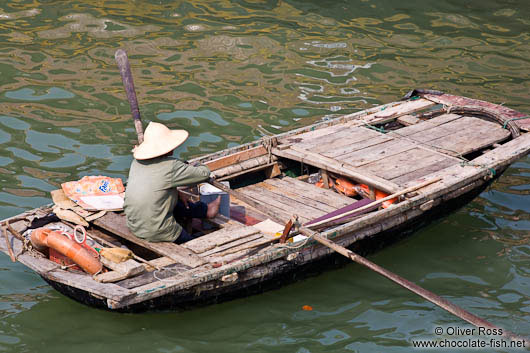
[
  {"x": 433, "y": 298},
  {"x": 128, "y": 83}
]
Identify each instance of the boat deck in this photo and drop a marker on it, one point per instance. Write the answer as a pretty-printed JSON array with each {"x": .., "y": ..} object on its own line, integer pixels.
[{"x": 400, "y": 156}]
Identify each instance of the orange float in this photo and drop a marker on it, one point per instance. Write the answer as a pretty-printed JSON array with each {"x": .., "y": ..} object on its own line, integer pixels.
[
  {"x": 43, "y": 237},
  {"x": 346, "y": 187}
]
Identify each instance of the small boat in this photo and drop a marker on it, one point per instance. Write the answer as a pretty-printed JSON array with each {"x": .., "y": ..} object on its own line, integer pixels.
[{"x": 358, "y": 180}]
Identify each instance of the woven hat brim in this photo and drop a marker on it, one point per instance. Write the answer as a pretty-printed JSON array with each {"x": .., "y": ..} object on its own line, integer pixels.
[{"x": 158, "y": 147}]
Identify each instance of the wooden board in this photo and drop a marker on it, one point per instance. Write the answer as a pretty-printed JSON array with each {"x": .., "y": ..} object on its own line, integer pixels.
[
  {"x": 476, "y": 135},
  {"x": 307, "y": 136},
  {"x": 219, "y": 237},
  {"x": 377, "y": 152},
  {"x": 86, "y": 283},
  {"x": 373, "y": 138},
  {"x": 403, "y": 163},
  {"x": 340, "y": 138},
  {"x": 421, "y": 172},
  {"x": 408, "y": 120},
  {"x": 236, "y": 158},
  {"x": 236, "y": 244},
  {"x": 295, "y": 195},
  {"x": 306, "y": 190},
  {"x": 393, "y": 112},
  {"x": 287, "y": 206},
  {"x": 116, "y": 224},
  {"x": 425, "y": 125}
]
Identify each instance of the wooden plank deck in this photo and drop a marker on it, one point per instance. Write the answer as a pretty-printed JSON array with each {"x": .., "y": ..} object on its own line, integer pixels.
[
  {"x": 289, "y": 196},
  {"x": 386, "y": 161}
]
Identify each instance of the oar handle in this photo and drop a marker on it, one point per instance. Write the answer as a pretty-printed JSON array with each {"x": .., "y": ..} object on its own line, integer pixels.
[{"x": 126, "y": 77}]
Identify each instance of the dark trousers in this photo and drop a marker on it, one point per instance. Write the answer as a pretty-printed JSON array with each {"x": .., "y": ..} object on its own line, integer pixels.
[{"x": 181, "y": 212}]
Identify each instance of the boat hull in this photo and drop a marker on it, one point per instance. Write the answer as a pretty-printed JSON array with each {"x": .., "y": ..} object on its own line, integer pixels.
[{"x": 288, "y": 273}]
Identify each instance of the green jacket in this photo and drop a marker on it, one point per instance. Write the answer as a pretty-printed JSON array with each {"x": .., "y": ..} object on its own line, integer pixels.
[{"x": 151, "y": 196}]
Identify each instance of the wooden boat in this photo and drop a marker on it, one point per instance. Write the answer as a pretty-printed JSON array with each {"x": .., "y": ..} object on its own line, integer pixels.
[{"x": 446, "y": 148}]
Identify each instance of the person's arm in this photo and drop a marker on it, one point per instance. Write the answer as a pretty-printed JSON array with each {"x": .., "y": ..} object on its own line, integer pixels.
[{"x": 187, "y": 175}]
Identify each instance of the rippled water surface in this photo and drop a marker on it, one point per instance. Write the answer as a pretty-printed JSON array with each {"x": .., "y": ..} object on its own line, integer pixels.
[{"x": 230, "y": 72}]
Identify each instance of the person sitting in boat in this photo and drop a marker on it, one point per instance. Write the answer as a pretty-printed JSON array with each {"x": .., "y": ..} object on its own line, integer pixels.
[{"x": 152, "y": 201}]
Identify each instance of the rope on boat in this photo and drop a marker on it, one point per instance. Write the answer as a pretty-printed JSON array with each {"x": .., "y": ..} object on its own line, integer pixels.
[
  {"x": 513, "y": 119},
  {"x": 268, "y": 143}
]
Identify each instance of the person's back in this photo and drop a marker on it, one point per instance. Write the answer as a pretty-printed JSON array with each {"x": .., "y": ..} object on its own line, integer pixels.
[{"x": 151, "y": 195}]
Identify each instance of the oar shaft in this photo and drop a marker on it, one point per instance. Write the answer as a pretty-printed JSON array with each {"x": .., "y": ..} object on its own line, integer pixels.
[
  {"x": 128, "y": 83},
  {"x": 433, "y": 298}
]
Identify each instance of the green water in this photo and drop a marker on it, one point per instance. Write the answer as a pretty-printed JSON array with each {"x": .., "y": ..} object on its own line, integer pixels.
[{"x": 230, "y": 72}]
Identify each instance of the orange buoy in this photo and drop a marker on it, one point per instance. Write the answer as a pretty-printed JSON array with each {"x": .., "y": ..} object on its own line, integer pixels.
[
  {"x": 307, "y": 307},
  {"x": 43, "y": 237}
]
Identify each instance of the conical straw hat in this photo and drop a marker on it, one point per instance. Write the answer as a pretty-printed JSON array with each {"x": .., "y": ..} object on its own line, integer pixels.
[{"x": 159, "y": 140}]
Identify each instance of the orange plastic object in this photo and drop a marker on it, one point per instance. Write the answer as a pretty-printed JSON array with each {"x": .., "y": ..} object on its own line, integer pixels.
[
  {"x": 307, "y": 308},
  {"x": 380, "y": 195},
  {"x": 365, "y": 188},
  {"x": 345, "y": 187},
  {"x": 44, "y": 237}
]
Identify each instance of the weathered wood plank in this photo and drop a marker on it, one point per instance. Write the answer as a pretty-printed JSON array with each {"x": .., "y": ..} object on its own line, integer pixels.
[
  {"x": 328, "y": 197},
  {"x": 153, "y": 276},
  {"x": 447, "y": 129},
  {"x": 393, "y": 112},
  {"x": 377, "y": 152},
  {"x": 373, "y": 138},
  {"x": 297, "y": 195},
  {"x": 120, "y": 271},
  {"x": 338, "y": 167},
  {"x": 458, "y": 175},
  {"x": 424, "y": 126},
  {"x": 276, "y": 215},
  {"x": 343, "y": 137},
  {"x": 234, "y": 244},
  {"x": 477, "y": 136},
  {"x": 408, "y": 120},
  {"x": 289, "y": 202},
  {"x": 237, "y": 157},
  {"x": 219, "y": 237},
  {"x": 116, "y": 224},
  {"x": 86, "y": 283},
  {"x": 402, "y": 163},
  {"x": 312, "y": 134},
  {"x": 421, "y": 172},
  {"x": 230, "y": 254},
  {"x": 238, "y": 168},
  {"x": 288, "y": 206}
]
